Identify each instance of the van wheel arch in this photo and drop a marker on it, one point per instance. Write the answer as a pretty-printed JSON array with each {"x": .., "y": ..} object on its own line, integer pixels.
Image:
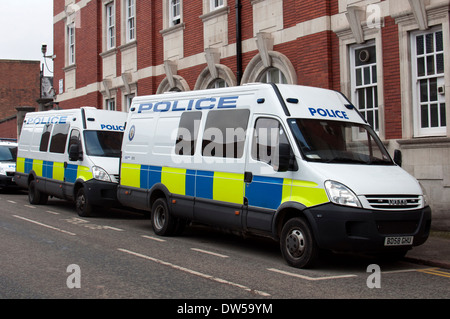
[
  {"x": 156, "y": 192},
  {"x": 285, "y": 212}
]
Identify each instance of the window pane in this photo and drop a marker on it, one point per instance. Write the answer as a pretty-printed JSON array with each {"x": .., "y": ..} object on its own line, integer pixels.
[
  {"x": 424, "y": 91},
  {"x": 424, "y": 116},
  {"x": 358, "y": 77},
  {"x": 265, "y": 139},
  {"x": 59, "y": 137},
  {"x": 434, "y": 116},
  {"x": 224, "y": 134},
  {"x": 370, "y": 118},
  {"x": 45, "y": 137},
  {"x": 75, "y": 138},
  {"x": 374, "y": 74},
  {"x": 430, "y": 65},
  {"x": 440, "y": 63},
  {"x": 187, "y": 133},
  {"x": 439, "y": 43},
  {"x": 366, "y": 76},
  {"x": 433, "y": 89},
  {"x": 420, "y": 66},
  {"x": 430, "y": 42},
  {"x": 443, "y": 115},
  {"x": 361, "y": 98},
  {"x": 420, "y": 47}
]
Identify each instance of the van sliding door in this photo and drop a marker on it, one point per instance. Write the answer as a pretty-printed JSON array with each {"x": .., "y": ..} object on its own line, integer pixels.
[{"x": 219, "y": 187}]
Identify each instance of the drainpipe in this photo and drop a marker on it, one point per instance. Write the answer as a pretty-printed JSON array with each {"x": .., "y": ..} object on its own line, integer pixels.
[{"x": 238, "y": 43}]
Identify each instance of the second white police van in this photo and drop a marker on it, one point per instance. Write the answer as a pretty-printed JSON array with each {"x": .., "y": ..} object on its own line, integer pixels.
[
  {"x": 71, "y": 154},
  {"x": 298, "y": 164}
]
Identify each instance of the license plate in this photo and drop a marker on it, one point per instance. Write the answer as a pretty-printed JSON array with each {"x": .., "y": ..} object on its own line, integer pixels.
[{"x": 398, "y": 241}]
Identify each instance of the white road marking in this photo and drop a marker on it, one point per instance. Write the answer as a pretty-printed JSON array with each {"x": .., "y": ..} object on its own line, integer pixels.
[
  {"x": 209, "y": 252},
  {"x": 54, "y": 213},
  {"x": 307, "y": 277},
  {"x": 45, "y": 225},
  {"x": 196, "y": 273},
  {"x": 154, "y": 238},
  {"x": 11, "y": 201}
]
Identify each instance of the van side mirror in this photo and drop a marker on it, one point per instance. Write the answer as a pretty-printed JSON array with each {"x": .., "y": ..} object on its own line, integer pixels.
[
  {"x": 398, "y": 157},
  {"x": 74, "y": 153},
  {"x": 285, "y": 158}
]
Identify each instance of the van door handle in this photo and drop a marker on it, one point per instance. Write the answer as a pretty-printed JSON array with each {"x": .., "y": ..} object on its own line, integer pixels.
[
  {"x": 65, "y": 164},
  {"x": 248, "y": 177}
]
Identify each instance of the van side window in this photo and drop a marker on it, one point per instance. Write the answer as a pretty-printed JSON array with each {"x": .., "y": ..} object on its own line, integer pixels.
[
  {"x": 59, "y": 138},
  {"x": 45, "y": 137},
  {"x": 75, "y": 138},
  {"x": 187, "y": 133},
  {"x": 267, "y": 136},
  {"x": 225, "y": 133}
]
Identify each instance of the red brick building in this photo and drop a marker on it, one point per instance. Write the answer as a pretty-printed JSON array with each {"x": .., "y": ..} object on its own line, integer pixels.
[
  {"x": 19, "y": 86},
  {"x": 389, "y": 57}
]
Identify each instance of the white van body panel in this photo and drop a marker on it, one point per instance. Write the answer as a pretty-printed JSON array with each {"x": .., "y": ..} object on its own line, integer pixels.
[
  {"x": 43, "y": 151},
  {"x": 348, "y": 191}
]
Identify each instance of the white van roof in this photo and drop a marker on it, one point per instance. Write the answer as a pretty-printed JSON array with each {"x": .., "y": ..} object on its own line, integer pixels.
[
  {"x": 89, "y": 118},
  {"x": 294, "y": 101}
]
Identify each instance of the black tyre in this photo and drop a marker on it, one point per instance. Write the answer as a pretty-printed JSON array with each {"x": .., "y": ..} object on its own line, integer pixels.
[
  {"x": 297, "y": 244},
  {"x": 82, "y": 205},
  {"x": 35, "y": 197},
  {"x": 162, "y": 222}
]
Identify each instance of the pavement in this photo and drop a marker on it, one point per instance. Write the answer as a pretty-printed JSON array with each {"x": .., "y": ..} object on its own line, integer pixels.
[{"x": 435, "y": 252}]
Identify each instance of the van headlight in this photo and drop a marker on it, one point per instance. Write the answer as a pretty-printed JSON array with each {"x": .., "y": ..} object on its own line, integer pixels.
[
  {"x": 100, "y": 174},
  {"x": 424, "y": 195},
  {"x": 341, "y": 194}
]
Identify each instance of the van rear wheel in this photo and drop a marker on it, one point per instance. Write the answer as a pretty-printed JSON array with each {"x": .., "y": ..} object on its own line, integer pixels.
[
  {"x": 35, "y": 197},
  {"x": 162, "y": 222},
  {"x": 297, "y": 244}
]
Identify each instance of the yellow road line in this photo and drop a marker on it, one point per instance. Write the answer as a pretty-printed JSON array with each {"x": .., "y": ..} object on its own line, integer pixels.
[{"x": 436, "y": 272}]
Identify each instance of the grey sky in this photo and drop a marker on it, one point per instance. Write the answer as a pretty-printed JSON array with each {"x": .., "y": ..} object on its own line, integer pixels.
[{"x": 24, "y": 26}]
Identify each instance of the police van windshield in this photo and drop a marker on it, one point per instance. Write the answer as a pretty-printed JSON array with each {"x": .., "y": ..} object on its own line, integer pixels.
[
  {"x": 103, "y": 143},
  {"x": 333, "y": 142},
  {"x": 8, "y": 153}
]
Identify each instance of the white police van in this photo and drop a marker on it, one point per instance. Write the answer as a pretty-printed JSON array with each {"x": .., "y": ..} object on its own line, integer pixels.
[
  {"x": 298, "y": 164},
  {"x": 8, "y": 154},
  {"x": 71, "y": 154}
]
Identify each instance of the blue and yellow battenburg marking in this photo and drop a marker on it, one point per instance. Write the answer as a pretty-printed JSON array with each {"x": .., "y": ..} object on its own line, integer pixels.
[
  {"x": 264, "y": 191},
  {"x": 53, "y": 170}
]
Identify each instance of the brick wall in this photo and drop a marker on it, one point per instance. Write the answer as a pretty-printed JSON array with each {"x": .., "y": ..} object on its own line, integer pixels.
[
  {"x": 19, "y": 85},
  {"x": 392, "y": 90},
  {"x": 8, "y": 127}
]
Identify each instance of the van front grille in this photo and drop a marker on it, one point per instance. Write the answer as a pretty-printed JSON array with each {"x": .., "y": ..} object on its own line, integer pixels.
[{"x": 394, "y": 202}]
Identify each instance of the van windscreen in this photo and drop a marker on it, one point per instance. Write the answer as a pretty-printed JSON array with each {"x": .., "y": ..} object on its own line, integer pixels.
[
  {"x": 103, "y": 143},
  {"x": 335, "y": 142},
  {"x": 8, "y": 153}
]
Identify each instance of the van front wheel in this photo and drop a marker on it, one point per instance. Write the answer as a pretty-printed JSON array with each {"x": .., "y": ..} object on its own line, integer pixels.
[
  {"x": 297, "y": 244},
  {"x": 82, "y": 205},
  {"x": 162, "y": 222}
]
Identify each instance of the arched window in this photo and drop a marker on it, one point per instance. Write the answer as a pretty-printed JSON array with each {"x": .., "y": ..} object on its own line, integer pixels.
[
  {"x": 218, "y": 83},
  {"x": 224, "y": 77},
  {"x": 273, "y": 75},
  {"x": 280, "y": 70}
]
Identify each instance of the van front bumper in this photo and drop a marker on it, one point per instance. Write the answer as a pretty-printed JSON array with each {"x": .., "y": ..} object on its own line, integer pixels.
[
  {"x": 101, "y": 193},
  {"x": 342, "y": 228},
  {"x": 7, "y": 181}
]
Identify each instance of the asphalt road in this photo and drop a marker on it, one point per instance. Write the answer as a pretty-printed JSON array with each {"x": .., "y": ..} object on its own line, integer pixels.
[{"x": 50, "y": 252}]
